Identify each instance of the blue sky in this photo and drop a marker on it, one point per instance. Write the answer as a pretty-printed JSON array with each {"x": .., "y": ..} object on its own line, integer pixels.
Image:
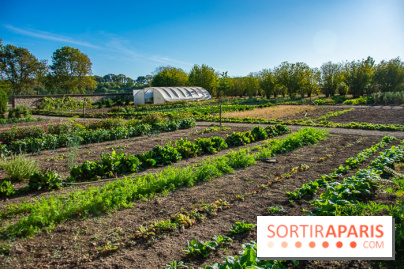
[{"x": 136, "y": 37}]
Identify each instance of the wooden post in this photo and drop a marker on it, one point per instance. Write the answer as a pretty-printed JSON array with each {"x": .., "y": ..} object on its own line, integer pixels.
[{"x": 220, "y": 115}]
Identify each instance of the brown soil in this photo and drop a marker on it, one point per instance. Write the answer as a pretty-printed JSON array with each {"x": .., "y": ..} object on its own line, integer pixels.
[
  {"x": 77, "y": 243},
  {"x": 371, "y": 115}
]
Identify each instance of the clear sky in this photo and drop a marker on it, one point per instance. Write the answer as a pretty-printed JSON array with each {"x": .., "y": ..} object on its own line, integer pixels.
[{"x": 238, "y": 36}]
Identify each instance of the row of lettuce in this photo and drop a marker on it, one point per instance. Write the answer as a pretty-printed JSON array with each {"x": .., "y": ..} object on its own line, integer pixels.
[
  {"x": 115, "y": 163},
  {"x": 350, "y": 197},
  {"x": 44, "y": 214},
  {"x": 52, "y": 136},
  {"x": 355, "y": 195}
]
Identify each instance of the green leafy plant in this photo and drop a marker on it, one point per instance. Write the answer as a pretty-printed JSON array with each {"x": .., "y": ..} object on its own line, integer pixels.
[
  {"x": 174, "y": 265},
  {"x": 6, "y": 189},
  {"x": 46, "y": 179},
  {"x": 277, "y": 210},
  {"x": 200, "y": 248},
  {"x": 240, "y": 227}
]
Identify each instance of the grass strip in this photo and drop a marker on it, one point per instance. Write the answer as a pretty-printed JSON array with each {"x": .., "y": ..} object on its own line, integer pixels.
[
  {"x": 47, "y": 212},
  {"x": 334, "y": 114}
]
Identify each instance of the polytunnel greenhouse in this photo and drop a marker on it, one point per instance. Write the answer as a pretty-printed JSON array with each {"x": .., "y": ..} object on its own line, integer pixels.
[{"x": 160, "y": 95}]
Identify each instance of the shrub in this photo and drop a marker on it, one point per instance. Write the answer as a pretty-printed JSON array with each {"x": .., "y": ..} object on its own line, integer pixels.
[
  {"x": 20, "y": 111},
  {"x": 324, "y": 102},
  {"x": 358, "y": 101},
  {"x": 6, "y": 189},
  {"x": 46, "y": 179},
  {"x": 3, "y": 102},
  {"x": 18, "y": 167},
  {"x": 152, "y": 119},
  {"x": 339, "y": 98}
]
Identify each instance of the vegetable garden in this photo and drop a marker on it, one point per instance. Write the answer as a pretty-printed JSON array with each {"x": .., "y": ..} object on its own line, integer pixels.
[{"x": 167, "y": 187}]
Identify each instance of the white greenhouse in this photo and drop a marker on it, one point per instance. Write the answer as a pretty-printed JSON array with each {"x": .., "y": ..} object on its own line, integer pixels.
[{"x": 160, "y": 95}]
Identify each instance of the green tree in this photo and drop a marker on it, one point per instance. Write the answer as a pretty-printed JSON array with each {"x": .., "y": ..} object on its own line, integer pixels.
[
  {"x": 267, "y": 81},
  {"x": 71, "y": 71},
  {"x": 359, "y": 76},
  {"x": 311, "y": 82},
  {"x": 19, "y": 67},
  {"x": 169, "y": 76},
  {"x": 225, "y": 85},
  {"x": 203, "y": 76},
  {"x": 238, "y": 87},
  {"x": 389, "y": 76},
  {"x": 3, "y": 102},
  {"x": 332, "y": 78},
  {"x": 292, "y": 77},
  {"x": 40, "y": 74},
  {"x": 251, "y": 85}
]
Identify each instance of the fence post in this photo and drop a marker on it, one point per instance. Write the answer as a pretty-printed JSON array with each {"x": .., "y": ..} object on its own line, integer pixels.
[{"x": 220, "y": 114}]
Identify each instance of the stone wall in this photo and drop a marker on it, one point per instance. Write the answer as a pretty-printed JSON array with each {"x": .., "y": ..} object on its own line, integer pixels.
[{"x": 30, "y": 101}]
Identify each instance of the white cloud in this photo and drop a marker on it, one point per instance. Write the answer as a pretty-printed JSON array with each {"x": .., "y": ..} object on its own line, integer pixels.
[
  {"x": 49, "y": 36},
  {"x": 114, "y": 44}
]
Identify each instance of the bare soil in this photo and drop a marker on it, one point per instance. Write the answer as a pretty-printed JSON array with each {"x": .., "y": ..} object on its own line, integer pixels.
[
  {"x": 78, "y": 243},
  {"x": 371, "y": 115}
]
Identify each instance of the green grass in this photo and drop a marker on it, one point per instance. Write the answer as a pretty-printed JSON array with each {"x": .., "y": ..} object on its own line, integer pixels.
[{"x": 18, "y": 167}]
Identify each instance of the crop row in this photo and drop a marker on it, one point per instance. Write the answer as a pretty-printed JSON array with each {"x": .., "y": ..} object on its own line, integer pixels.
[
  {"x": 130, "y": 112},
  {"x": 334, "y": 114},
  {"x": 118, "y": 163},
  {"x": 88, "y": 136},
  {"x": 112, "y": 164},
  {"x": 17, "y": 120},
  {"x": 310, "y": 188},
  {"x": 47, "y": 212},
  {"x": 358, "y": 187},
  {"x": 17, "y": 133},
  {"x": 309, "y": 122}
]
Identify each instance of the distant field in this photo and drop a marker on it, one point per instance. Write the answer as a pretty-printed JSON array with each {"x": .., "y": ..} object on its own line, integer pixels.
[{"x": 276, "y": 112}]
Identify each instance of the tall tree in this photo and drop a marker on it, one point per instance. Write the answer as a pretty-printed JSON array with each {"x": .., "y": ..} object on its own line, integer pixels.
[
  {"x": 268, "y": 82},
  {"x": 20, "y": 68},
  {"x": 389, "y": 75},
  {"x": 225, "y": 85},
  {"x": 251, "y": 85},
  {"x": 203, "y": 76},
  {"x": 359, "y": 76},
  {"x": 71, "y": 71},
  {"x": 312, "y": 81},
  {"x": 332, "y": 78},
  {"x": 292, "y": 76},
  {"x": 238, "y": 87},
  {"x": 169, "y": 76}
]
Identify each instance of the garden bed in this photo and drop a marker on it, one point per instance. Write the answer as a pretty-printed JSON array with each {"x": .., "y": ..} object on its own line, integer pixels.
[{"x": 108, "y": 240}]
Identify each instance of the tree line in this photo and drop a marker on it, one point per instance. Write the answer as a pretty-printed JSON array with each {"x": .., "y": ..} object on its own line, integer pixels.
[
  {"x": 70, "y": 73},
  {"x": 357, "y": 78}
]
